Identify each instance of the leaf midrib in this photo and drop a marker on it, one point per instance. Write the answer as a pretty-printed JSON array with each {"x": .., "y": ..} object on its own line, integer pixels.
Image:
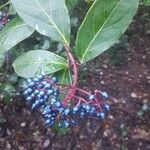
[
  {"x": 35, "y": 62},
  {"x": 52, "y": 22},
  {"x": 99, "y": 31}
]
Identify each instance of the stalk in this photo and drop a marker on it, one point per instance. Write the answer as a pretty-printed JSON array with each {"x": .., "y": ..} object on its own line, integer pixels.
[{"x": 73, "y": 64}]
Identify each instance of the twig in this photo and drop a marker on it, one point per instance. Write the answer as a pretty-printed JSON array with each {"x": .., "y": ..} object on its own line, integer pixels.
[{"x": 73, "y": 63}]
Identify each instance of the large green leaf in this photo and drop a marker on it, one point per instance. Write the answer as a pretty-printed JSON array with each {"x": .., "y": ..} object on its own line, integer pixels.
[
  {"x": 13, "y": 33},
  {"x": 104, "y": 23},
  {"x": 38, "y": 62},
  {"x": 48, "y": 17}
]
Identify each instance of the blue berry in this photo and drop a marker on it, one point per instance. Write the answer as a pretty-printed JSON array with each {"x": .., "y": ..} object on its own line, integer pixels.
[
  {"x": 37, "y": 91},
  {"x": 101, "y": 115},
  {"x": 29, "y": 90},
  {"x": 61, "y": 110},
  {"x": 91, "y": 97},
  {"x": 58, "y": 104},
  {"x": 60, "y": 125},
  {"x": 107, "y": 107},
  {"x": 48, "y": 116},
  {"x": 29, "y": 80},
  {"x": 54, "y": 114},
  {"x": 66, "y": 111},
  {"x": 47, "y": 86},
  {"x": 53, "y": 100},
  {"x": 36, "y": 79},
  {"x": 46, "y": 111},
  {"x": 49, "y": 92},
  {"x": 44, "y": 83},
  {"x": 87, "y": 107},
  {"x": 82, "y": 114},
  {"x": 48, "y": 121},
  {"x": 75, "y": 109},
  {"x": 40, "y": 77},
  {"x": 51, "y": 123},
  {"x": 33, "y": 95},
  {"x": 43, "y": 93},
  {"x": 31, "y": 84},
  {"x": 66, "y": 124},
  {"x": 36, "y": 104},
  {"x": 105, "y": 94},
  {"x": 25, "y": 92},
  {"x": 29, "y": 98},
  {"x": 54, "y": 79}
]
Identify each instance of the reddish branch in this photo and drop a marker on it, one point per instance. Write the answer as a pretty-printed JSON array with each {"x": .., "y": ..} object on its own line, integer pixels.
[
  {"x": 72, "y": 89},
  {"x": 73, "y": 63}
]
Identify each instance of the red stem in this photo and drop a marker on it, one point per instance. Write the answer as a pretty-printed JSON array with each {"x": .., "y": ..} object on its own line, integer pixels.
[
  {"x": 73, "y": 63},
  {"x": 83, "y": 91}
]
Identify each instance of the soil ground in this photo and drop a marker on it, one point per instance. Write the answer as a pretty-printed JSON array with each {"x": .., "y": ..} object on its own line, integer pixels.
[{"x": 125, "y": 128}]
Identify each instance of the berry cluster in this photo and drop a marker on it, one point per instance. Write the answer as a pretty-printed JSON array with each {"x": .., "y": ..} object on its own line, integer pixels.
[
  {"x": 3, "y": 20},
  {"x": 45, "y": 93}
]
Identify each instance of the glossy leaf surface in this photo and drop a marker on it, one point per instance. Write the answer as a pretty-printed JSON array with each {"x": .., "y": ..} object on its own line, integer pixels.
[
  {"x": 38, "y": 62},
  {"x": 103, "y": 25},
  {"x": 48, "y": 17}
]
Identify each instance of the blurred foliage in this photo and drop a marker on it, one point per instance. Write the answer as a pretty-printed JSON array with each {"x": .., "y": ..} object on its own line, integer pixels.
[{"x": 145, "y": 2}]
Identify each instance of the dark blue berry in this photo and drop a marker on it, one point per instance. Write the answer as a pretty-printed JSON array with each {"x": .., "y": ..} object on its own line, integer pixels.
[
  {"x": 48, "y": 121},
  {"x": 91, "y": 97},
  {"x": 66, "y": 111},
  {"x": 107, "y": 107},
  {"x": 105, "y": 94},
  {"x": 60, "y": 125},
  {"x": 66, "y": 124},
  {"x": 57, "y": 104},
  {"x": 43, "y": 93},
  {"x": 101, "y": 115}
]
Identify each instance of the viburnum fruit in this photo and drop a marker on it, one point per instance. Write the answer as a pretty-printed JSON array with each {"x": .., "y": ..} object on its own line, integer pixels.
[{"x": 45, "y": 93}]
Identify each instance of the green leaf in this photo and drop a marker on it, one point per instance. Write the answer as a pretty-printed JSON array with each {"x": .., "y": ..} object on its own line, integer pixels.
[
  {"x": 38, "y": 62},
  {"x": 103, "y": 25},
  {"x": 13, "y": 33},
  {"x": 64, "y": 76},
  {"x": 10, "y": 89},
  {"x": 48, "y": 17}
]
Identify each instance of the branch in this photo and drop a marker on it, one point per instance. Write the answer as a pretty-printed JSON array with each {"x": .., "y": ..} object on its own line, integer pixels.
[{"x": 74, "y": 66}]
